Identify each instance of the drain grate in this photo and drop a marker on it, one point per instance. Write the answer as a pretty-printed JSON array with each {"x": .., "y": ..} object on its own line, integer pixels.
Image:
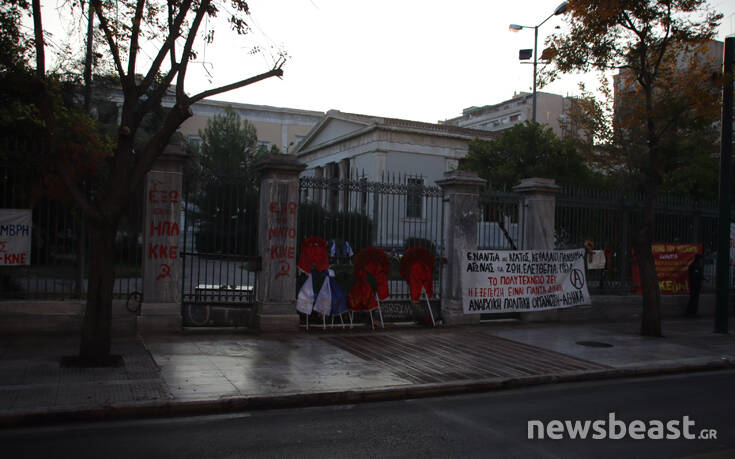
[
  {"x": 433, "y": 357},
  {"x": 594, "y": 344}
]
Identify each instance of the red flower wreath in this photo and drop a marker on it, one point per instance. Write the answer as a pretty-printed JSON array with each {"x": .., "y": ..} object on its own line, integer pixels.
[
  {"x": 417, "y": 269},
  {"x": 313, "y": 252},
  {"x": 376, "y": 263}
]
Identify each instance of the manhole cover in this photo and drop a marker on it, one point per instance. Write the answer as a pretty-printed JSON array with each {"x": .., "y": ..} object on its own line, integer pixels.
[{"x": 594, "y": 344}]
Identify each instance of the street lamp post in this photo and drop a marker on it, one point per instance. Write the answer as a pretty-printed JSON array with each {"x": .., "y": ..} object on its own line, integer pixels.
[{"x": 561, "y": 9}]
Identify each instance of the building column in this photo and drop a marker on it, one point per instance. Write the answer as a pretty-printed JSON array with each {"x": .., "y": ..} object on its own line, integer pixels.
[
  {"x": 461, "y": 214},
  {"x": 277, "y": 232},
  {"x": 332, "y": 175},
  {"x": 161, "y": 305},
  {"x": 344, "y": 174},
  {"x": 537, "y": 219}
]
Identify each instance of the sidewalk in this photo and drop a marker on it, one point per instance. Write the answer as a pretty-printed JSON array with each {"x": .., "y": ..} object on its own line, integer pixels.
[{"x": 200, "y": 373}]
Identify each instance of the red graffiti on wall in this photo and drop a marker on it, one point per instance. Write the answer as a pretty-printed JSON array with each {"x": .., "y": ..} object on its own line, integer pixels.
[
  {"x": 282, "y": 235},
  {"x": 165, "y": 271},
  {"x": 164, "y": 229}
]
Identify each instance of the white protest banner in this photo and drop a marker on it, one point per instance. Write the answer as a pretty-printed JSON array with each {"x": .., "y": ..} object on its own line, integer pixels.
[
  {"x": 523, "y": 280},
  {"x": 15, "y": 237}
]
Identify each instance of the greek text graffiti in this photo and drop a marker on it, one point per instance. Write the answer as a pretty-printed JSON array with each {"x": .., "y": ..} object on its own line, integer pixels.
[{"x": 282, "y": 236}]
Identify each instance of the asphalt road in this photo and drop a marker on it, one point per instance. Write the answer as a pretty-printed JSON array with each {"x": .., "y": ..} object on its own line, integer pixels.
[{"x": 474, "y": 425}]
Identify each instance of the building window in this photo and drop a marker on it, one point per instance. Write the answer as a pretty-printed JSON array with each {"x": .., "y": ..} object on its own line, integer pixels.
[
  {"x": 414, "y": 198},
  {"x": 514, "y": 118},
  {"x": 195, "y": 141}
]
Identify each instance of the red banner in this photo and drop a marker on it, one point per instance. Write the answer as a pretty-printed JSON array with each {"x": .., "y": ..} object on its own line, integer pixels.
[{"x": 672, "y": 267}]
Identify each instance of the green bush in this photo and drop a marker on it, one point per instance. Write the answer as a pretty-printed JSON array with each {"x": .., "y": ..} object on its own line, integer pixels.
[
  {"x": 419, "y": 242},
  {"x": 315, "y": 221}
]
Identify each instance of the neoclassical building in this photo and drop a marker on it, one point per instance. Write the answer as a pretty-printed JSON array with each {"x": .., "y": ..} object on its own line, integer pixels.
[
  {"x": 279, "y": 126},
  {"x": 344, "y": 145},
  {"x": 388, "y": 160}
]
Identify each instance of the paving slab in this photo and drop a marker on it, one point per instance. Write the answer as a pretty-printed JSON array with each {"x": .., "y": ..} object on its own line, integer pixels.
[{"x": 209, "y": 373}]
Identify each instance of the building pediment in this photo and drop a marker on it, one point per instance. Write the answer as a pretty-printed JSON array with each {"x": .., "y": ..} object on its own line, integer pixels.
[{"x": 332, "y": 128}]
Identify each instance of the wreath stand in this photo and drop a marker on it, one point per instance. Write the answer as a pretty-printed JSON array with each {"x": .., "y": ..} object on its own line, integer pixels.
[
  {"x": 324, "y": 320},
  {"x": 428, "y": 306},
  {"x": 370, "y": 311}
]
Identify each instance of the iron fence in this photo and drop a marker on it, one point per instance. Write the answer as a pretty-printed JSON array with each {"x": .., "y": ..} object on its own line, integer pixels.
[
  {"x": 607, "y": 218},
  {"x": 59, "y": 235},
  {"x": 499, "y": 228},
  {"x": 393, "y": 214}
]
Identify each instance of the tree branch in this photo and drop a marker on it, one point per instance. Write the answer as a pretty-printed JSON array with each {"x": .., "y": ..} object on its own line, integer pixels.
[
  {"x": 631, "y": 26},
  {"x": 155, "y": 97},
  {"x": 184, "y": 63},
  {"x": 154, "y": 147},
  {"x": 110, "y": 40},
  {"x": 38, "y": 34},
  {"x": 172, "y": 54},
  {"x": 134, "y": 34},
  {"x": 275, "y": 71},
  {"x": 169, "y": 46},
  {"x": 664, "y": 43}
]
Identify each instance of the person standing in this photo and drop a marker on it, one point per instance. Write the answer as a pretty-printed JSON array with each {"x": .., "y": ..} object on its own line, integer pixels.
[{"x": 696, "y": 275}]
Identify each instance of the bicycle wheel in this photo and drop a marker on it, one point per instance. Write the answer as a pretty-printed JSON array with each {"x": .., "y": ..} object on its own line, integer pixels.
[{"x": 133, "y": 302}]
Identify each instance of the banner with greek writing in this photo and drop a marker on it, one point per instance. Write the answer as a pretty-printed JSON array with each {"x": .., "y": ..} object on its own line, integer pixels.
[
  {"x": 672, "y": 267},
  {"x": 523, "y": 280},
  {"x": 15, "y": 237}
]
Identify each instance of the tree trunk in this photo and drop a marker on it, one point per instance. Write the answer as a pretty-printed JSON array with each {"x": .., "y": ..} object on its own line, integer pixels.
[
  {"x": 96, "y": 331},
  {"x": 651, "y": 316}
]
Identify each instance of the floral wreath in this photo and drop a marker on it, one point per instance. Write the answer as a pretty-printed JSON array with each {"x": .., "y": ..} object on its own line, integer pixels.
[
  {"x": 313, "y": 252},
  {"x": 370, "y": 255},
  {"x": 413, "y": 255}
]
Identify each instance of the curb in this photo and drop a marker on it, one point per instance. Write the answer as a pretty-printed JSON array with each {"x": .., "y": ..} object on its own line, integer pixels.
[{"x": 171, "y": 408}]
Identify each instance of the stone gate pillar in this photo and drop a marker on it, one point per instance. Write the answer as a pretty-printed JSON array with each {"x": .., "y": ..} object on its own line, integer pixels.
[
  {"x": 461, "y": 214},
  {"x": 161, "y": 307},
  {"x": 537, "y": 213},
  {"x": 537, "y": 220},
  {"x": 277, "y": 233}
]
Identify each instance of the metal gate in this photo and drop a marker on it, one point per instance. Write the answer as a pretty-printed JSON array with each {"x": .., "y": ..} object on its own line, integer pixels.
[
  {"x": 219, "y": 256},
  {"x": 393, "y": 214}
]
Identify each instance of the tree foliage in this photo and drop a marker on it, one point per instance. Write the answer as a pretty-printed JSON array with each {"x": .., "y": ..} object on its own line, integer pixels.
[
  {"x": 227, "y": 201},
  {"x": 229, "y": 145},
  {"x": 659, "y": 92},
  {"x": 528, "y": 150}
]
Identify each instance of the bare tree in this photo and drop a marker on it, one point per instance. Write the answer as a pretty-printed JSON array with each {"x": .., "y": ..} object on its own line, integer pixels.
[{"x": 125, "y": 25}]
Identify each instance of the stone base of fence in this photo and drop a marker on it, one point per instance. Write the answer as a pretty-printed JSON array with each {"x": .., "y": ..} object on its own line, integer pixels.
[
  {"x": 58, "y": 316},
  {"x": 66, "y": 316},
  {"x": 277, "y": 322},
  {"x": 552, "y": 315},
  {"x": 159, "y": 318}
]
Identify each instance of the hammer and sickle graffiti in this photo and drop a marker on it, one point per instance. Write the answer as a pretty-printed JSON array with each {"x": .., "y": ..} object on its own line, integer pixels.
[
  {"x": 284, "y": 270},
  {"x": 165, "y": 271}
]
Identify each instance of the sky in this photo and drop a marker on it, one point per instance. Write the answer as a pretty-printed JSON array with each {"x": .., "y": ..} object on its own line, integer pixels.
[{"x": 422, "y": 60}]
